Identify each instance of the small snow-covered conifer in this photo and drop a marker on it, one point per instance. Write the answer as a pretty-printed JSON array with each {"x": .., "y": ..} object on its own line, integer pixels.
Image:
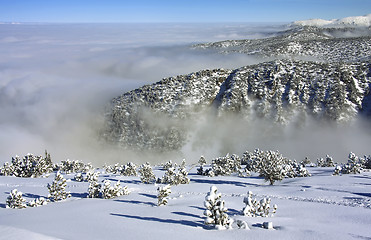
[
  {"x": 109, "y": 191},
  {"x": 146, "y": 173},
  {"x": 78, "y": 177},
  {"x": 327, "y": 162},
  {"x": 130, "y": 169},
  {"x": 71, "y": 166},
  {"x": 94, "y": 189},
  {"x": 168, "y": 165},
  {"x": 182, "y": 175},
  {"x": 202, "y": 162},
  {"x": 256, "y": 208},
  {"x": 169, "y": 176},
  {"x": 353, "y": 166},
  {"x": 28, "y": 166},
  {"x": 163, "y": 194},
  {"x": 272, "y": 167},
  {"x": 226, "y": 165},
  {"x": 92, "y": 176},
  {"x": 57, "y": 189},
  {"x": 216, "y": 212},
  {"x": 367, "y": 162},
  {"x": 15, "y": 200}
]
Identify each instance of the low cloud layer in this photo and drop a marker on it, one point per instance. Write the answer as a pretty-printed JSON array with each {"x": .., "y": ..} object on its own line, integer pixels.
[{"x": 55, "y": 81}]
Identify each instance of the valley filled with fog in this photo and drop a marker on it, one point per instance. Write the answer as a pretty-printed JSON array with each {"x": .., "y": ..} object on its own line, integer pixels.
[{"x": 57, "y": 79}]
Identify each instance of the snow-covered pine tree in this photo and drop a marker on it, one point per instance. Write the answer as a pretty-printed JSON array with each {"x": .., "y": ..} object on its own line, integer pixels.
[
  {"x": 57, "y": 189},
  {"x": 353, "y": 166},
  {"x": 109, "y": 191},
  {"x": 202, "y": 162},
  {"x": 327, "y": 162},
  {"x": 6, "y": 169},
  {"x": 253, "y": 160},
  {"x": 78, "y": 177},
  {"x": 130, "y": 169},
  {"x": 181, "y": 176},
  {"x": 94, "y": 189},
  {"x": 146, "y": 173},
  {"x": 256, "y": 208},
  {"x": 272, "y": 167},
  {"x": 28, "y": 166},
  {"x": 92, "y": 176},
  {"x": 15, "y": 200},
  {"x": 71, "y": 166},
  {"x": 169, "y": 176},
  {"x": 169, "y": 164},
  {"x": 216, "y": 212},
  {"x": 250, "y": 208},
  {"x": 367, "y": 162},
  {"x": 163, "y": 194}
]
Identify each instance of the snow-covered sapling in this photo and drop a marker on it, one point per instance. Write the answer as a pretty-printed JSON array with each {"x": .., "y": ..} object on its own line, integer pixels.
[
  {"x": 94, "y": 189},
  {"x": 201, "y": 162},
  {"x": 92, "y": 176},
  {"x": 79, "y": 177},
  {"x": 130, "y": 169},
  {"x": 182, "y": 175},
  {"x": 216, "y": 212},
  {"x": 146, "y": 173},
  {"x": 353, "y": 166},
  {"x": 57, "y": 189},
  {"x": 15, "y": 200},
  {"x": 327, "y": 162},
  {"x": 256, "y": 208},
  {"x": 272, "y": 166},
  {"x": 163, "y": 194},
  {"x": 117, "y": 190}
]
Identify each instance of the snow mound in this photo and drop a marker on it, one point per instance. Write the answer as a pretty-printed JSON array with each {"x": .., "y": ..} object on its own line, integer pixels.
[{"x": 357, "y": 21}]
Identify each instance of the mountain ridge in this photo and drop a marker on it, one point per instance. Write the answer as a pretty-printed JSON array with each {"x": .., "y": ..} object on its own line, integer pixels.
[{"x": 280, "y": 91}]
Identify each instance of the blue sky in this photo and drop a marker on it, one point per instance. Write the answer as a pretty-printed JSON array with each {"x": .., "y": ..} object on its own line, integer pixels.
[{"x": 178, "y": 10}]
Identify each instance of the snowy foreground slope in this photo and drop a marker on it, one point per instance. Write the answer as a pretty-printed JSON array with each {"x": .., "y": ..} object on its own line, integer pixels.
[{"x": 318, "y": 207}]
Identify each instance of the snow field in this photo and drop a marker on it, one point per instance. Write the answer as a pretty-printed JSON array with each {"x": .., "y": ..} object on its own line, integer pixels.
[{"x": 317, "y": 207}]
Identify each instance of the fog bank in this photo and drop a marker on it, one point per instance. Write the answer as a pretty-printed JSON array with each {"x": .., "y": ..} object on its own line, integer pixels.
[{"x": 56, "y": 79}]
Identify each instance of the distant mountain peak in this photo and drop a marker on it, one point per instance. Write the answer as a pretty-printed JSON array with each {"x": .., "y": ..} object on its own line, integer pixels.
[{"x": 357, "y": 21}]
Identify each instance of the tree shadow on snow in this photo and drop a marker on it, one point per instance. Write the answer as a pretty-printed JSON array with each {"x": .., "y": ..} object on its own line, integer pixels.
[
  {"x": 31, "y": 195},
  {"x": 137, "y": 202},
  {"x": 79, "y": 195},
  {"x": 214, "y": 182},
  {"x": 363, "y": 194},
  {"x": 148, "y": 195},
  {"x": 155, "y": 219},
  {"x": 124, "y": 181},
  {"x": 232, "y": 211},
  {"x": 187, "y": 214}
]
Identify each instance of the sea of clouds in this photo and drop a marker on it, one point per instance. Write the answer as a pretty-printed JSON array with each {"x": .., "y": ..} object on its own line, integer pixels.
[{"x": 57, "y": 79}]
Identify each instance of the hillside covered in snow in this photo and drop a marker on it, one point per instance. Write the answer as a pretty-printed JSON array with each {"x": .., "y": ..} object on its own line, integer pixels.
[
  {"x": 161, "y": 116},
  {"x": 357, "y": 21},
  {"x": 322, "y": 206}
]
